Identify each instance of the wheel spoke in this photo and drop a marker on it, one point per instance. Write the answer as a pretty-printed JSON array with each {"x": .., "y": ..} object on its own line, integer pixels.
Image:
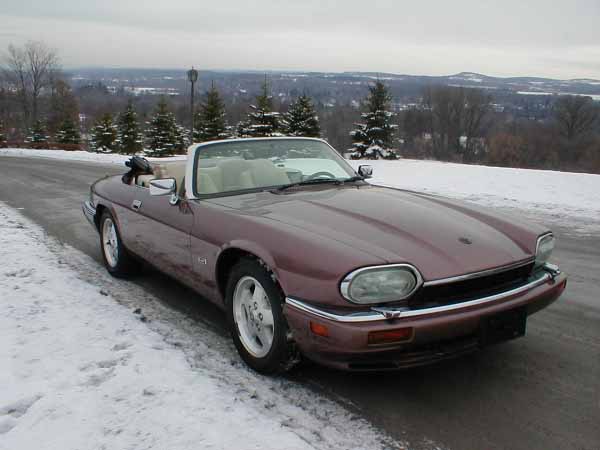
[
  {"x": 259, "y": 338},
  {"x": 265, "y": 335},
  {"x": 267, "y": 317},
  {"x": 259, "y": 295},
  {"x": 246, "y": 296}
]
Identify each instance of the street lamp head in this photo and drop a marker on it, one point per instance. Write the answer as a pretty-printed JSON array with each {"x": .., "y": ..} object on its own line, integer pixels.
[{"x": 192, "y": 75}]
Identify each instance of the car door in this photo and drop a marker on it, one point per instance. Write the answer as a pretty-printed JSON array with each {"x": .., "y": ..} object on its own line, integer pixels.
[{"x": 160, "y": 232}]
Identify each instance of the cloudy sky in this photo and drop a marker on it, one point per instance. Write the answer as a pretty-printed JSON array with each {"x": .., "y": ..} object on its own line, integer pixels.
[{"x": 556, "y": 38}]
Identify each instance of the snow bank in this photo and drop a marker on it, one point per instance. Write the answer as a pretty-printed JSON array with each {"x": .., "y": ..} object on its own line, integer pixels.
[
  {"x": 79, "y": 155},
  {"x": 571, "y": 199},
  {"x": 80, "y": 371}
]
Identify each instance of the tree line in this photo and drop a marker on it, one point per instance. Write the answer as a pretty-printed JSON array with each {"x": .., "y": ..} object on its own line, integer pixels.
[
  {"x": 161, "y": 134},
  {"x": 460, "y": 124},
  {"x": 38, "y": 108}
]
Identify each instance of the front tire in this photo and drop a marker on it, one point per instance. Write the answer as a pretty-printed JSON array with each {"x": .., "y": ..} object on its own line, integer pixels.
[
  {"x": 256, "y": 321},
  {"x": 117, "y": 260}
]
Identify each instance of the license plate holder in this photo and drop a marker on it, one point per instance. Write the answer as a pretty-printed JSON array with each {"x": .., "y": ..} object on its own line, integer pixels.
[{"x": 503, "y": 326}]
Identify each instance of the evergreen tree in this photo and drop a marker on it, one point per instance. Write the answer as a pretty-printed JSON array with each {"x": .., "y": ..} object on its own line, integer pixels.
[
  {"x": 104, "y": 135},
  {"x": 301, "y": 118},
  {"x": 38, "y": 133},
  {"x": 262, "y": 120},
  {"x": 373, "y": 139},
  {"x": 129, "y": 138},
  {"x": 162, "y": 135},
  {"x": 182, "y": 139},
  {"x": 68, "y": 133},
  {"x": 2, "y": 135},
  {"x": 210, "y": 122}
]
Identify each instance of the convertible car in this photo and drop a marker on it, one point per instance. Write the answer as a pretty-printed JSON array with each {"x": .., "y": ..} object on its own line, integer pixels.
[{"x": 309, "y": 259}]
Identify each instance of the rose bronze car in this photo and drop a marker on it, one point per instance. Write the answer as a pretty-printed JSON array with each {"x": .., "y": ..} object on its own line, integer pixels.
[{"x": 307, "y": 258}]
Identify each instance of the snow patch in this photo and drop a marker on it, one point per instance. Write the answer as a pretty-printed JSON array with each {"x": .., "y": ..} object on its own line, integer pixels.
[
  {"x": 79, "y": 370},
  {"x": 79, "y": 155}
]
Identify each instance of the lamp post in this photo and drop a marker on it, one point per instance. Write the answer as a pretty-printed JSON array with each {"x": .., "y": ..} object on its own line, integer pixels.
[{"x": 192, "y": 78}]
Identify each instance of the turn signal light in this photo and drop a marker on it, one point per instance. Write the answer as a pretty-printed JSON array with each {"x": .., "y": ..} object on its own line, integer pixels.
[
  {"x": 390, "y": 336},
  {"x": 319, "y": 329}
]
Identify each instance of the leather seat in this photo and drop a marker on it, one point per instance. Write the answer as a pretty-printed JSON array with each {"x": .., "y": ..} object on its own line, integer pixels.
[
  {"x": 221, "y": 175},
  {"x": 238, "y": 174}
]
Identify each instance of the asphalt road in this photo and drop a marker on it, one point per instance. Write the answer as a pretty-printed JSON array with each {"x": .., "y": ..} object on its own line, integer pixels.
[{"x": 538, "y": 392}]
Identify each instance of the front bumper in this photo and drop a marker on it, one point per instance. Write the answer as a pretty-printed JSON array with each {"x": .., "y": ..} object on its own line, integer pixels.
[
  {"x": 438, "y": 333},
  {"x": 89, "y": 211}
]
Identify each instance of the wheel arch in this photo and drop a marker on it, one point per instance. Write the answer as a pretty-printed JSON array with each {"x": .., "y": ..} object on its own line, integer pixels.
[
  {"x": 231, "y": 254},
  {"x": 99, "y": 211},
  {"x": 102, "y": 206}
]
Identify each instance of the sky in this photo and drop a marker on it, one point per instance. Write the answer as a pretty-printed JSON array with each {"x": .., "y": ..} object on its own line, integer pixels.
[{"x": 556, "y": 38}]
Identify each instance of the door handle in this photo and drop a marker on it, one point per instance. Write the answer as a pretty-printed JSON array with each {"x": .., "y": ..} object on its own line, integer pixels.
[{"x": 136, "y": 205}]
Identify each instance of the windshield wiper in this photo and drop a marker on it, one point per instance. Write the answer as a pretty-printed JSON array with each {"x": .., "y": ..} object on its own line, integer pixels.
[
  {"x": 320, "y": 181},
  {"x": 353, "y": 179},
  {"x": 309, "y": 182}
]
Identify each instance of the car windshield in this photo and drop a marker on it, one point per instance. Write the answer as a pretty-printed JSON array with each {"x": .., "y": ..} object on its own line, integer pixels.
[{"x": 264, "y": 163}]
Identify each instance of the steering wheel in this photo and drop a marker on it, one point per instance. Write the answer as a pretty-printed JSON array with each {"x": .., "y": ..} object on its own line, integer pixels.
[{"x": 321, "y": 175}]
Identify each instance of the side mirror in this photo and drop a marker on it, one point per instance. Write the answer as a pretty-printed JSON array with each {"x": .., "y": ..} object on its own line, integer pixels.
[
  {"x": 365, "y": 171},
  {"x": 164, "y": 186}
]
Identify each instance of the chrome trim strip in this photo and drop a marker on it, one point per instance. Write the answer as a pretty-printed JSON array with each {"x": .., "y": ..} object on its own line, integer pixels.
[
  {"x": 89, "y": 212},
  {"x": 483, "y": 273},
  {"x": 345, "y": 284},
  {"x": 381, "y": 314}
]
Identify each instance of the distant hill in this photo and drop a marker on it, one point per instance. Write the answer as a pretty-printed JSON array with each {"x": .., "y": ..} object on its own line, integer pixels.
[{"x": 326, "y": 86}]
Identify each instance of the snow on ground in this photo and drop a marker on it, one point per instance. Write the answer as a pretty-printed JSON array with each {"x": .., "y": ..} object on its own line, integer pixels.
[
  {"x": 78, "y": 155},
  {"x": 80, "y": 369},
  {"x": 563, "y": 198}
]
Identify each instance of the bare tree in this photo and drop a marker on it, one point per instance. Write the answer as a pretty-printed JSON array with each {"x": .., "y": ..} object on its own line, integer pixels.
[
  {"x": 477, "y": 105},
  {"x": 43, "y": 64},
  {"x": 576, "y": 115},
  {"x": 30, "y": 70},
  {"x": 446, "y": 107},
  {"x": 437, "y": 101},
  {"x": 14, "y": 71}
]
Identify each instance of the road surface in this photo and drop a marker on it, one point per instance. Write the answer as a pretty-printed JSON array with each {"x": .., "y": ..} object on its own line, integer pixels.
[{"x": 539, "y": 392}]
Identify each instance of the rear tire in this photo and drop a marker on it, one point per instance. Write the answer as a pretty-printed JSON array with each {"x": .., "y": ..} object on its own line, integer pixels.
[
  {"x": 255, "y": 316},
  {"x": 117, "y": 259}
]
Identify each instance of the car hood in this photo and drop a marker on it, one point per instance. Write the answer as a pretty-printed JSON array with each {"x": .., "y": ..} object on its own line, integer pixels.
[{"x": 441, "y": 237}]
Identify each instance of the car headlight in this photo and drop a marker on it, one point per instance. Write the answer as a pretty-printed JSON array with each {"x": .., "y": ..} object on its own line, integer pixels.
[
  {"x": 381, "y": 284},
  {"x": 543, "y": 250}
]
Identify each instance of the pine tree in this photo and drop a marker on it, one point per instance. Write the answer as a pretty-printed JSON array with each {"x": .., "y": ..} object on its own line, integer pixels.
[
  {"x": 129, "y": 138},
  {"x": 373, "y": 139},
  {"x": 38, "y": 133},
  {"x": 210, "y": 122},
  {"x": 2, "y": 135},
  {"x": 182, "y": 139},
  {"x": 262, "y": 120},
  {"x": 301, "y": 118},
  {"x": 104, "y": 135},
  {"x": 68, "y": 133},
  {"x": 161, "y": 133}
]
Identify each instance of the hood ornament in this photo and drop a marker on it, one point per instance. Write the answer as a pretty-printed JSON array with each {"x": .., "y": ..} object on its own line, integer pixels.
[{"x": 465, "y": 240}]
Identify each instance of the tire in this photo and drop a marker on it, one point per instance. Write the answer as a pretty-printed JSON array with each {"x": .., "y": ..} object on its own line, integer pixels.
[
  {"x": 250, "y": 323},
  {"x": 117, "y": 259}
]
